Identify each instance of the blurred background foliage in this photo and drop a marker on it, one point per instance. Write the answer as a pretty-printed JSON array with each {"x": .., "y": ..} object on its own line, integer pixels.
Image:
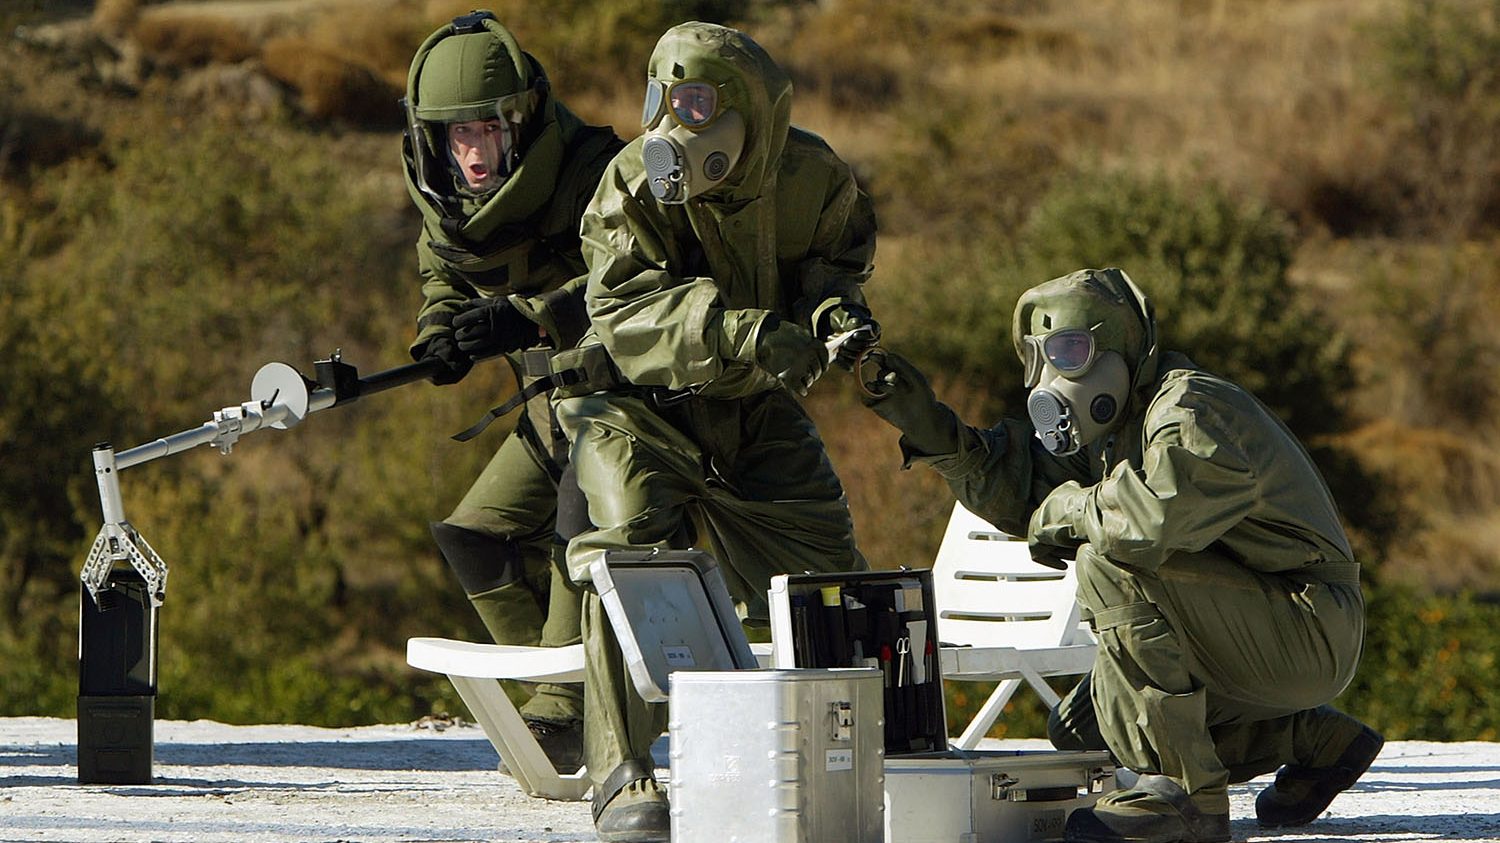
[{"x": 1309, "y": 190}]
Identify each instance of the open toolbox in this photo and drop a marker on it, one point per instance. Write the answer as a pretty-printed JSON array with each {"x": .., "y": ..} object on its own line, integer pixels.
[
  {"x": 933, "y": 793},
  {"x": 879, "y": 619}
]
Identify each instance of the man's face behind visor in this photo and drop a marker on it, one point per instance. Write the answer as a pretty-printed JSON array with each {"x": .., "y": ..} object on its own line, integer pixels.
[{"x": 478, "y": 149}]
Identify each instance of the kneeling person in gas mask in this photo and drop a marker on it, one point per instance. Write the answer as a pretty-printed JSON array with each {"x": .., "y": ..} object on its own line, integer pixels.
[{"x": 1212, "y": 566}]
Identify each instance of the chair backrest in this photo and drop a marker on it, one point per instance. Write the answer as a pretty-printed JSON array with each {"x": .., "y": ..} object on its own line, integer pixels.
[{"x": 990, "y": 593}]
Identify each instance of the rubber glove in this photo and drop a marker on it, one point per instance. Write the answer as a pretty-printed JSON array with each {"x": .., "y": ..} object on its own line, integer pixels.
[
  {"x": 907, "y": 402},
  {"x": 490, "y": 326},
  {"x": 790, "y": 353}
]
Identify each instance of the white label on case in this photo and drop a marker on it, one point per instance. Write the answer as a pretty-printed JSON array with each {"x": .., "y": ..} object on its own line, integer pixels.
[
  {"x": 679, "y": 657},
  {"x": 1047, "y": 825},
  {"x": 840, "y": 759}
]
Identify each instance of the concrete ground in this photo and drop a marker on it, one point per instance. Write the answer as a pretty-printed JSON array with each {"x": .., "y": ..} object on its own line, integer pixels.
[{"x": 407, "y": 783}]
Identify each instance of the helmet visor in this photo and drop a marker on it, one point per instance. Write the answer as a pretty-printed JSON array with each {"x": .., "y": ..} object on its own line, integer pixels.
[
  {"x": 1070, "y": 351},
  {"x": 692, "y": 104}
]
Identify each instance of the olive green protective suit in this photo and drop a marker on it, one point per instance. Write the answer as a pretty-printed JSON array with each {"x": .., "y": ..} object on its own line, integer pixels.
[
  {"x": 520, "y": 241},
  {"x": 695, "y": 435},
  {"x": 1211, "y": 561}
]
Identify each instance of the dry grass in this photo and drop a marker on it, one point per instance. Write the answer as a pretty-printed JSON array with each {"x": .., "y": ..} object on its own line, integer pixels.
[
  {"x": 1450, "y": 483},
  {"x": 332, "y": 84},
  {"x": 116, "y": 15},
  {"x": 191, "y": 41},
  {"x": 899, "y": 515}
]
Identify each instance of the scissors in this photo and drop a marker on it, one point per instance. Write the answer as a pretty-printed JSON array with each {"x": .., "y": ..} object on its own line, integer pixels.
[{"x": 903, "y": 654}]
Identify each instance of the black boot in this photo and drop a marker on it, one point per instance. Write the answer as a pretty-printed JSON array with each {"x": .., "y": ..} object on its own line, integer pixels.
[
  {"x": 1300, "y": 794},
  {"x": 630, "y": 807},
  {"x": 561, "y": 742},
  {"x": 1155, "y": 810}
]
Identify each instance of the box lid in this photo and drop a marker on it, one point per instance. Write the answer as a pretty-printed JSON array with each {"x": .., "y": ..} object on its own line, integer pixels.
[{"x": 670, "y": 610}]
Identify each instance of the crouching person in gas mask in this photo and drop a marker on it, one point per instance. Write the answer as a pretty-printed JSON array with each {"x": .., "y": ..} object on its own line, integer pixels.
[{"x": 1212, "y": 566}]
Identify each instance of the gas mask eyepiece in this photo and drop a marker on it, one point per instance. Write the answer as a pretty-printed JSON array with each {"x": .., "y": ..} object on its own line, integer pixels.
[{"x": 692, "y": 142}]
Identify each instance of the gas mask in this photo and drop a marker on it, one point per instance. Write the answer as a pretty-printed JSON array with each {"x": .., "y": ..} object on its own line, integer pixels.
[
  {"x": 692, "y": 143},
  {"x": 1078, "y": 392}
]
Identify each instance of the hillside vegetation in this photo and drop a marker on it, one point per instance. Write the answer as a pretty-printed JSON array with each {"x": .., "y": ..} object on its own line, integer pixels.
[{"x": 1309, "y": 189}]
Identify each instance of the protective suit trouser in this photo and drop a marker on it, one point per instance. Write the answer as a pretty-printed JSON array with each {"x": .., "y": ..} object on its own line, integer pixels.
[
  {"x": 752, "y": 472},
  {"x": 1211, "y": 672},
  {"x": 520, "y": 588}
]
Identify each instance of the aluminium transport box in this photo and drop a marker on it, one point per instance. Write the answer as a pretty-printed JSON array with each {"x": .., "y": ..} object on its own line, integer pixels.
[
  {"x": 777, "y": 756},
  {"x": 990, "y": 797}
]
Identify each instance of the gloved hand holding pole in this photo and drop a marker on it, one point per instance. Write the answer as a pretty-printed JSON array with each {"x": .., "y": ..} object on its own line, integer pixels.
[{"x": 490, "y": 326}]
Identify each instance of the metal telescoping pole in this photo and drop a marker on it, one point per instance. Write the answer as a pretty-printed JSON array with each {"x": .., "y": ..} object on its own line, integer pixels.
[{"x": 124, "y": 581}]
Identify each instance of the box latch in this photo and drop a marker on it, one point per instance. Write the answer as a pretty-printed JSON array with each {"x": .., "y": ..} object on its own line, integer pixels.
[
  {"x": 1098, "y": 776},
  {"x": 1003, "y": 787},
  {"x": 843, "y": 720}
]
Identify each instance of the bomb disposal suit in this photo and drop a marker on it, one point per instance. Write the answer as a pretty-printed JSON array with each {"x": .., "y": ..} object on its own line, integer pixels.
[
  {"x": 1212, "y": 565},
  {"x": 503, "y": 273},
  {"x": 723, "y": 247}
]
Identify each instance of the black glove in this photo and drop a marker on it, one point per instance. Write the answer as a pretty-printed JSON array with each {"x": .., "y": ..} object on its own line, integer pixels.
[
  {"x": 791, "y": 354},
  {"x": 907, "y": 402},
  {"x": 848, "y": 318},
  {"x": 455, "y": 362},
  {"x": 486, "y": 327},
  {"x": 1052, "y": 556}
]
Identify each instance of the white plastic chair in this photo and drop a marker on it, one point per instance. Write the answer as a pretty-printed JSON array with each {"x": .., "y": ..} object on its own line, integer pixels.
[
  {"x": 1003, "y": 617},
  {"x": 476, "y": 670}
]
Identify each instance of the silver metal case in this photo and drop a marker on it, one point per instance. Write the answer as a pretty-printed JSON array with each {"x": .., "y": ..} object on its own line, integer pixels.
[
  {"x": 777, "y": 756},
  {"x": 990, "y": 797},
  {"x": 670, "y": 610}
]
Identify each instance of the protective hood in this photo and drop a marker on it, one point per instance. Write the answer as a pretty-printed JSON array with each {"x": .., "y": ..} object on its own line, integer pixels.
[
  {"x": 469, "y": 69},
  {"x": 749, "y": 82},
  {"x": 1104, "y": 300}
]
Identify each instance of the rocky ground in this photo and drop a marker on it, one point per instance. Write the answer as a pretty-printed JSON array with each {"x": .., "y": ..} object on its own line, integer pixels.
[{"x": 419, "y": 783}]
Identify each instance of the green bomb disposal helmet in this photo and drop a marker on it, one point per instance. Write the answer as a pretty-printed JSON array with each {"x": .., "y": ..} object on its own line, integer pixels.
[
  {"x": 470, "y": 69},
  {"x": 1087, "y": 343}
]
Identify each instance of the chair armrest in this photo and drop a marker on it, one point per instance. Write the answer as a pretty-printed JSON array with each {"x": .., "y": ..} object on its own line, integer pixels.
[
  {"x": 990, "y": 664},
  {"x": 496, "y": 661}
]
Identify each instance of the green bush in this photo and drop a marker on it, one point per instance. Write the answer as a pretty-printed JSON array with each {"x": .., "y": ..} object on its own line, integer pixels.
[
  {"x": 1441, "y": 63},
  {"x": 1441, "y": 652},
  {"x": 142, "y": 301},
  {"x": 1215, "y": 268}
]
